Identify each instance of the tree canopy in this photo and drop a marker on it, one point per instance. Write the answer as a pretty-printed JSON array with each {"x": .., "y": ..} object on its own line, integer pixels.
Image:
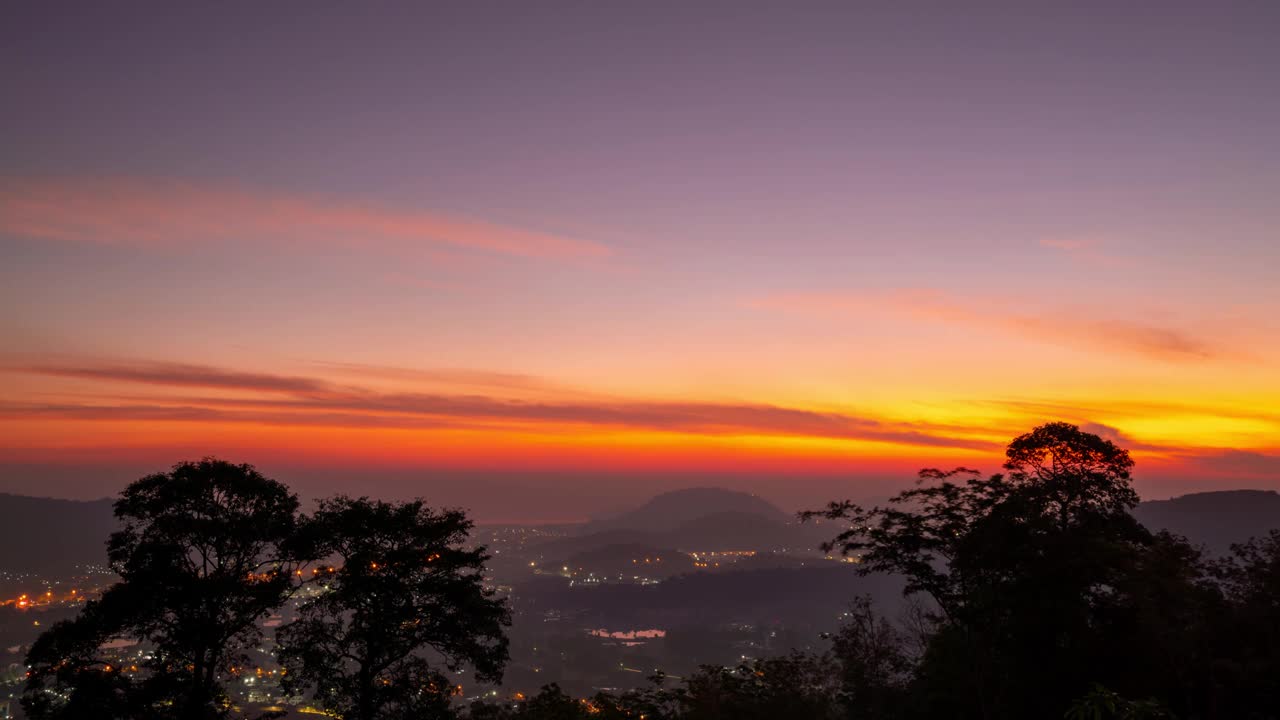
[
  {"x": 1042, "y": 584},
  {"x": 406, "y": 601},
  {"x": 202, "y": 557},
  {"x": 210, "y": 549}
]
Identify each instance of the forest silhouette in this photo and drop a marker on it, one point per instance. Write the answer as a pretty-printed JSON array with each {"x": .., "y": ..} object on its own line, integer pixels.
[{"x": 1033, "y": 593}]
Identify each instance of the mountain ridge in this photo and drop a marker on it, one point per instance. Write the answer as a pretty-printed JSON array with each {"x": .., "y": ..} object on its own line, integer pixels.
[
  {"x": 1214, "y": 519},
  {"x": 670, "y": 510},
  {"x": 54, "y": 535}
]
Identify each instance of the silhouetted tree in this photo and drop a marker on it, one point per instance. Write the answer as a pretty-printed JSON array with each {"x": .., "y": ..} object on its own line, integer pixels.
[
  {"x": 552, "y": 703},
  {"x": 874, "y": 662},
  {"x": 1072, "y": 472},
  {"x": 202, "y": 558},
  {"x": 1156, "y": 637},
  {"x": 1020, "y": 567},
  {"x": 406, "y": 601},
  {"x": 1248, "y": 657},
  {"x": 1103, "y": 704},
  {"x": 792, "y": 686}
]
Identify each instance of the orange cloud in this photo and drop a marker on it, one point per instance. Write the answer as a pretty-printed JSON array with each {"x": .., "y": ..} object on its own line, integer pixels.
[
  {"x": 138, "y": 212},
  {"x": 369, "y": 415},
  {"x": 280, "y": 399}
]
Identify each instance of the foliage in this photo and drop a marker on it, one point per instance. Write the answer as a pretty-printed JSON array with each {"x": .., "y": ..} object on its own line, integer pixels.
[
  {"x": 70, "y": 679},
  {"x": 1072, "y": 472},
  {"x": 1248, "y": 628},
  {"x": 1103, "y": 704},
  {"x": 202, "y": 557},
  {"x": 405, "y": 601},
  {"x": 792, "y": 686},
  {"x": 1022, "y": 569},
  {"x": 874, "y": 664}
]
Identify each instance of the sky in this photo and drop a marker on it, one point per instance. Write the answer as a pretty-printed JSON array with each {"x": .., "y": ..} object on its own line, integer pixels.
[{"x": 542, "y": 260}]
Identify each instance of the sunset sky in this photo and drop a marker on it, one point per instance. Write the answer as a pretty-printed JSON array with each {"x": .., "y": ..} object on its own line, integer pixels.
[{"x": 544, "y": 259}]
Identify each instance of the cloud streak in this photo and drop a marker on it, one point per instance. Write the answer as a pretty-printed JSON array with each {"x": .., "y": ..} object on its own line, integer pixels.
[
  {"x": 280, "y": 398},
  {"x": 182, "y": 375},
  {"x": 149, "y": 213},
  {"x": 458, "y": 377},
  {"x": 1059, "y": 327},
  {"x": 1242, "y": 462},
  {"x": 1081, "y": 412}
]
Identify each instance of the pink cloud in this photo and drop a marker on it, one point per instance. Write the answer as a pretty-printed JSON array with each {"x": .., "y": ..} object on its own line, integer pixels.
[
  {"x": 1087, "y": 251},
  {"x": 169, "y": 374},
  {"x": 1072, "y": 327},
  {"x": 140, "y": 212}
]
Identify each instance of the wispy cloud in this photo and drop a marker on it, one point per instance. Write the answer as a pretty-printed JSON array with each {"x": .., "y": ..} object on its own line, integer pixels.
[
  {"x": 278, "y": 398},
  {"x": 1081, "y": 412},
  {"x": 1123, "y": 439},
  {"x": 182, "y": 375},
  {"x": 141, "y": 212},
  {"x": 458, "y": 377},
  {"x": 197, "y": 413},
  {"x": 1077, "y": 327},
  {"x": 1242, "y": 462},
  {"x": 1154, "y": 341}
]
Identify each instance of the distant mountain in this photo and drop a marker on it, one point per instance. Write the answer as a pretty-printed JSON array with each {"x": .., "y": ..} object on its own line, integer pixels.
[
  {"x": 697, "y": 519},
  {"x": 1214, "y": 519},
  {"x": 48, "y": 535},
  {"x": 672, "y": 510}
]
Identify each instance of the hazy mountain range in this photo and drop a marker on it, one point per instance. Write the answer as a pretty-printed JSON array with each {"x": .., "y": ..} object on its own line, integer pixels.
[
  {"x": 1215, "y": 519},
  {"x": 43, "y": 534}
]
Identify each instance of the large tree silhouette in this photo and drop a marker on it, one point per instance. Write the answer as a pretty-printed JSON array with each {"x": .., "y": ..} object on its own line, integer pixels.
[
  {"x": 406, "y": 602},
  {"x": 1022, "y": 568},
  {"x": 202, "y": 556}
]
